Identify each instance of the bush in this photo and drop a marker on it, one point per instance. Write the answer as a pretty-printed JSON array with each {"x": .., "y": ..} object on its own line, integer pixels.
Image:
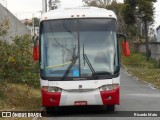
[
  {"x": 138, "y": 60},
  {"x": 144, "y": 70},
  {"x": 16, "y": 63}
]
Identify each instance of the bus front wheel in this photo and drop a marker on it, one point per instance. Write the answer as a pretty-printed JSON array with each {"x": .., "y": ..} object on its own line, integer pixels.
[
  {"x": 110, "y": 108},
  {"x": 50, "y": 110}
]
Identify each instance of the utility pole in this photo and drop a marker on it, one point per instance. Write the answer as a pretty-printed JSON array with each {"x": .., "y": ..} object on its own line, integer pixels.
[
  {"x": 146, "y": 37},
  {"x": 33, "y": 26},
  {"x": 44, "y": 6}
]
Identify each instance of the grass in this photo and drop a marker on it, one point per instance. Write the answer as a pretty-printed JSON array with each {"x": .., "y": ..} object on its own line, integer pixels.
[
  {"x": 19, "y": 97},
  {"x": 19, "y": 84},
  {"x": 148, "y": 71}
]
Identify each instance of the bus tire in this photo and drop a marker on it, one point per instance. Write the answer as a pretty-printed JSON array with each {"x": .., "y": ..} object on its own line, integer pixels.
[
  {"x": 110, "y": 108},
  {"x": 50, "y": 110}
]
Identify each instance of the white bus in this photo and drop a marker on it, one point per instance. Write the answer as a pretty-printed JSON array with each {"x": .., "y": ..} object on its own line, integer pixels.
[{"x": 79, "y": 58}]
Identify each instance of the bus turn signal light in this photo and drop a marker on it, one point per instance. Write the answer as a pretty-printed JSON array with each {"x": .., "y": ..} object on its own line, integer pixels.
[
  {"x": 45, "y": 88},
  {"x": 109, "y": 87},
  {"x": 51, "y": 89}
]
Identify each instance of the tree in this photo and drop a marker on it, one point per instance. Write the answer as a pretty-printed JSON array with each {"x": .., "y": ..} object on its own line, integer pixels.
[
  {"x": 128, "y": 13},
  {"x": 36, "y": 22},
  {"x": 152, "y": 34},
  {"x": 146, "y": 9},
  {"x": 98, "y": 3},
  {"x": 110, "y": 5},
  {"x": 130, "y": 19},
  {"x": 117, "y": 8},
  {"x": 29, "y": 22},
  {"x": 139, "y": 7},
  {"x": 143, "y": 9}
]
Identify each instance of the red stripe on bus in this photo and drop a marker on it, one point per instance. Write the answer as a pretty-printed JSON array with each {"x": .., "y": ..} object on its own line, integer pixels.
[
  {"x": 110, "y": 97},
  {"x": 50, "y": 99}
]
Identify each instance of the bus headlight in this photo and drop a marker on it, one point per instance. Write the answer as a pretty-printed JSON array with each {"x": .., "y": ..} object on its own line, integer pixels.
[
  {"x": 54, "y": 89},
  {"x": 51, "y": 89},
  {"x": 109, "y": 87}
]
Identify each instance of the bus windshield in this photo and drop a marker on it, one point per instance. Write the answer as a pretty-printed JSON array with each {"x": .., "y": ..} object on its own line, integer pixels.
[{"x": 78, "y": 48}]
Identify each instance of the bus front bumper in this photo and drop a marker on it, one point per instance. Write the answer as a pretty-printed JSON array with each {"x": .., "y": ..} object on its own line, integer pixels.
[{"x": 65, "y": 98}]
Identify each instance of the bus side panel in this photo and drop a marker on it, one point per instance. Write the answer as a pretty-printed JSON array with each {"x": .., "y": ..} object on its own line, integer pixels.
[
  {"x": 110, "y": 97},
  {"x": 50, "y": 99}
]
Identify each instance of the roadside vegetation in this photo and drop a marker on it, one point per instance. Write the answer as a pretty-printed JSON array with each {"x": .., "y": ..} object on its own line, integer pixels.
[
  {"x": 19, "y": 80},
  {"x": 144, "y": 70}
]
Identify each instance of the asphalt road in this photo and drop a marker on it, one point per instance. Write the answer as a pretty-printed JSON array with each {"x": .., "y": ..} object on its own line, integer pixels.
[{"x": 135, "y": 96}]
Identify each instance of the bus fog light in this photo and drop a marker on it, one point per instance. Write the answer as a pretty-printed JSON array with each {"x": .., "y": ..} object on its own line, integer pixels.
[
  {"x": 110, "y": 97},
  {"x": 51, "y": 99},
  {"x": 54, "y": 89}
]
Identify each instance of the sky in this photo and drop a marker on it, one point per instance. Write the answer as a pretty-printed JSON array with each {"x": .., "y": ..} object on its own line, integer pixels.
[{"x": 28, "y": 8}]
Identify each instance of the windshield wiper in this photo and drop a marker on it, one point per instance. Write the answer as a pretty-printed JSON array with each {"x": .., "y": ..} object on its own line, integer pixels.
[
  {"x": 70, "y": 67},
  {"x": 75, "y": 57},
  {"x": 89, "y": 64}
]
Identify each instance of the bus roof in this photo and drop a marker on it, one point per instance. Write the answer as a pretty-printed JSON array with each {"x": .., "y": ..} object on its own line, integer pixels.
[{"x": 78, "y": 12}]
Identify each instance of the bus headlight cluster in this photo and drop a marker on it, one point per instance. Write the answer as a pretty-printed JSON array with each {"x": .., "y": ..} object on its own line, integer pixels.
[
  {"x": 52, "y": 89},
  {"x": 106, "y": 87},
  {"x": 109, "y": 87}
]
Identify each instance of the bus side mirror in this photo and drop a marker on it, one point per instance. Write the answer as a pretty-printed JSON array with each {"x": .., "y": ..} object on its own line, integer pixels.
[
  {"x": 126, "y": 49},
  {"x": 35, "y": 49},
  {"x": 125, "y": 45},
  {"x": 36, "y": 52}
]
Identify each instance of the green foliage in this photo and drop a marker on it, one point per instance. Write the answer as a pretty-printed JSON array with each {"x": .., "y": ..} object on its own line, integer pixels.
[
  {"x": 30, "y": 22},
  {"x": 147, "y": 71},
  {"x": 110, "y": 5},
  {"x": 147, "y": 9},
  {"x": 128, "y": 14},
  {"x": 143, "y": 8},
  {"x": 2, "y": 95},
  {"x": 98, "y": 3},
  {"x": 36, "y": 22},
  {"x": 117, "y": 8},
  {"x": 136, "y": 12},
  {"x": 16, "y": 63},
  {"x": 139, "y": 60}
]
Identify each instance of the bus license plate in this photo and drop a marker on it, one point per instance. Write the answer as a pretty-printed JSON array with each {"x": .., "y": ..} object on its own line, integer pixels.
[{"x": 80, "y": 103}]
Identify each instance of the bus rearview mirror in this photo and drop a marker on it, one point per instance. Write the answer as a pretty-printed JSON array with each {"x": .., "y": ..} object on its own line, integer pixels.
[
  {"x": 126, "y": 49},
  {"x": 36, "y": 52},
  {"x": 125, "y": 45}
]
